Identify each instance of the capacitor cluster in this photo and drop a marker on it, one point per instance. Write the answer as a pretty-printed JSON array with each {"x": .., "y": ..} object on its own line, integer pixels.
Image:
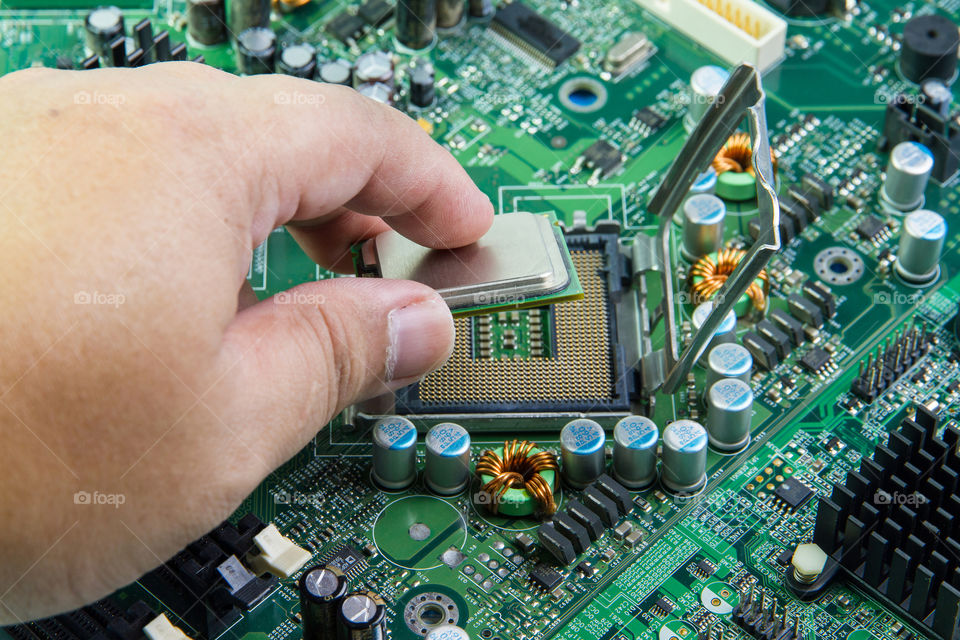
[
  {"x": 583, "y": 444},
  {"x": 329, "y": 610}
]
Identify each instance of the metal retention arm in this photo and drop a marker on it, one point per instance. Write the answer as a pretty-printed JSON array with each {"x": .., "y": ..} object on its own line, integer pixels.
[{"x": 741, "y": 95}]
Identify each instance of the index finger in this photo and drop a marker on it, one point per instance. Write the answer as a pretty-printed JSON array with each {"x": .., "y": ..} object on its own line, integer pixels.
[{"x": 331, "y": 149}]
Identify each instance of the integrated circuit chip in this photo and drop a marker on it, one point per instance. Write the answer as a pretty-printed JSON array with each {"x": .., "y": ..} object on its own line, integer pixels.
[
  {"x": 534, "y": 34},
  {"x": 375, "y": 12},
  {"x": 663, "y": 607},
  {"x": 546, "y": 577},
  {"x": 650, "y": 119},
  {"x": 522, "y": 261},
  {"x": 603, "y": 157},
  {"x": 871, "y": 227},
  {"x": 347, "y": 559},
  {"x": 793, "y": 493},
  {"x": 346, "y": 26},
  {"x": 815, "y": 360}
]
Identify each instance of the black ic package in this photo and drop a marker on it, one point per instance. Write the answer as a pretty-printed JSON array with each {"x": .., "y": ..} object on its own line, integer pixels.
[
  {"x": 347, "y": 559},
  {"x": 346, "y": 26},
  {"x": 870, "y": 227},
  {"x": 815, "y": 360},
  {"x": 603, "y": 156},
  {"x": 650, "y": 118},
  {"x": 546, "y": 577},
  {"x": 664, "y": 605},
  {"x": 793, "y": 493},
  {"x": 375, "y": 12},
  {"x": 534, "y": 33}
]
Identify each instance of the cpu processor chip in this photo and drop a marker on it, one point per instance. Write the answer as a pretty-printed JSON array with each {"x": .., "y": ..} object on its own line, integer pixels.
[{"x": 521, "y": 262}]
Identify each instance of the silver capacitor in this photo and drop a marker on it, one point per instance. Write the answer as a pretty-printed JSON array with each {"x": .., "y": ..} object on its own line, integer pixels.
[
  {"x": 103, "y": 25},
  {"x": 729, "y": 411},
  {"x": 582, "y": 452},
  {"x": 372, "y": 67},
  {"x": 376, "y": 91},
  {"x": 726, "y": 331},
  {"x": 362, "y": 617},
  {"x": 908, "y": 172},
  {"x": 299, "y": 60},
  {"x": 448, "y": 459},
  {"x": 705, "y": 85},
  {"x": 448, "y": 632},
  {"x": 921, "y": 240},
  {"x": 728, "y": 360},
  {"x": 703, "y": 218},
  {"x": 394, "y": 453},
  {"x": 684, "y": 468},
  {"x": 635, "y": 451},
  {"x": 335, "y": 72}
]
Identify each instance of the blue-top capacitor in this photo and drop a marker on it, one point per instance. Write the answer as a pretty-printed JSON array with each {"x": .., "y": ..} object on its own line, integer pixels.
[
  {"x": 684, "y": 467},
  {"x": 703, "y": 218},
  {"x": 635, "y": 451},
  {"x": 394, "y": 452},
  {"x": 448, "y": 459},
  {"x": 582, "y": 451},
  {"x": 725, "y": 332},
  {"x": 729, "y": 412},
  {"x": 729, "y": 360}
]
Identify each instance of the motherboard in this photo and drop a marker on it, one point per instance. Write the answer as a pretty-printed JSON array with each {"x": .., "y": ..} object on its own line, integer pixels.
[{"x": 733, "y": 417}]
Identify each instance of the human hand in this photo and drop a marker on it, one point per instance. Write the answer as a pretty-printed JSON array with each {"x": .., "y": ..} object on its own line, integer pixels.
[{"x": 136, "y": 362}]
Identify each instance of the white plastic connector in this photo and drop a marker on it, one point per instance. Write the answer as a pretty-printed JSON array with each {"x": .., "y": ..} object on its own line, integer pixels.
[
  {"x": 736, "y": 30},
  {"x": 160, "y": 628},
  {"x": 278, "y": 555}
]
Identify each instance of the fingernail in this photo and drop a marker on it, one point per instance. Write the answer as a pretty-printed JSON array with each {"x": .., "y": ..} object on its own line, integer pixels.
[{"x": 421, "y": 339}]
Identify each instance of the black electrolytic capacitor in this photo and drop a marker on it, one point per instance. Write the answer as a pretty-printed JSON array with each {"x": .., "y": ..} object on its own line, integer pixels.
[
  {"x": 422, "y": 85},
  {"x": 321, "y": 591},
  {"x": 449, "y": 13},
  {"x": 256, "y": 51},
  {"x": 298, "y": 60},
  {"x": 929, "y": 48},
  {"x": 207, "y": 21},
  {"x": 246, "y": 14},
  {"x": 481, "y": 9},
  {"x": 103, "y": 25},
  {"x": 416, "y": 23},
  {"x": 362, "y": 617}
]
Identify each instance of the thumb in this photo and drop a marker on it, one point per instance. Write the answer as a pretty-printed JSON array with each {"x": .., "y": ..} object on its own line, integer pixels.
[{"x": 293, "y": 361}]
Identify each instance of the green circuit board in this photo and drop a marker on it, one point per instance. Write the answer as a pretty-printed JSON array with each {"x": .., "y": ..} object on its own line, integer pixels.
[{"x": 671, "y": 567}]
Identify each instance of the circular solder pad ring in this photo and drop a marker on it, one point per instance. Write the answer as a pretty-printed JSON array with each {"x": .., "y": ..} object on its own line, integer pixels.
[
  {"x": 839, "y": 265},
  {"x": 583, "y": 94},
  {"x": 429, "y": 610}
]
